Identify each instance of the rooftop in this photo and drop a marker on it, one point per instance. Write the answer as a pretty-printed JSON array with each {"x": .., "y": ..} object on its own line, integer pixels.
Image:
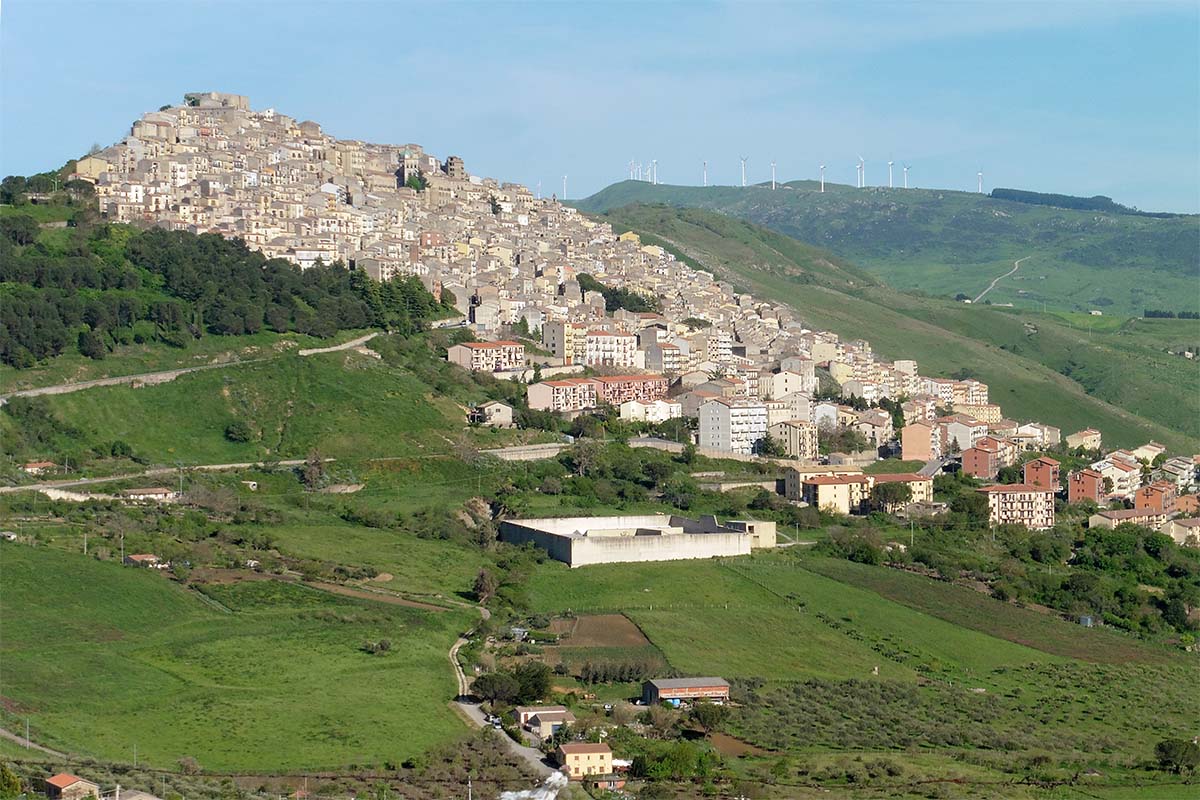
[{"x": 687, "y": 683}]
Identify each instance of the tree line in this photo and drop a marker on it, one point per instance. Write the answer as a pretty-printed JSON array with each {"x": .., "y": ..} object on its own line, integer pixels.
[
  {"x": 1158, "y": 313},
  {"x": 1097, "y": 203},
  {"x": 113, "y": 285}
]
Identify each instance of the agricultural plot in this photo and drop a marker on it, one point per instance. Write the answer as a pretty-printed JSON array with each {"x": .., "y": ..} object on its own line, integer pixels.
[{"x": 103, "y": 658}]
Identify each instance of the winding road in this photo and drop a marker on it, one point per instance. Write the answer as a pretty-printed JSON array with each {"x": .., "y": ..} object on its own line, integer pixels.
[{"x": 992, "y": 285}]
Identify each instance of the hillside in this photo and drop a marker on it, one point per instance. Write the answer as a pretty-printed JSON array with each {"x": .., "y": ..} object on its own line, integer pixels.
[
  {"x": 1042, "y": 366},
  {"x": 945, "y": 243}
]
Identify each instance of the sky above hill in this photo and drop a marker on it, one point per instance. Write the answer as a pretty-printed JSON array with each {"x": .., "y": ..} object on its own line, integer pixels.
[{"x": 1077, "y": 97}]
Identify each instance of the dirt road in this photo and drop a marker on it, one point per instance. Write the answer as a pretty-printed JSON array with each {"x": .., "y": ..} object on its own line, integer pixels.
[{"x": 992, "y": 285}]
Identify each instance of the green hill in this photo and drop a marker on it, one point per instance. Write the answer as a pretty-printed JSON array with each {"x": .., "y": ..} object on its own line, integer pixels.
[
  {"x": 945, "y": 242},
  {"x": 1064, "y": 371}
]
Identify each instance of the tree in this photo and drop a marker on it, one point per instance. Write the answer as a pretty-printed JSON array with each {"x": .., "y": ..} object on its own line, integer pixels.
[
  {"x": 771, "y": 447},
  {"x": 19, "y": 229},
  {"x": 496, "y": 687},
  {"x": 889, "y": 496},
  {"x": 238, "y": 431},
  {"x": 485, "y": 586},
  {"x": 312, "y": 474},
  {"x": 1177, "y": 755},
  {"x": 416, "y": 183},
  {"x": 189, "y": 766},
  {"x": 91, "y": 344},
  {"x": 533, "y": 681},
  {"x": 709, "y": 716},
  {"x": 10, "y": 783}
]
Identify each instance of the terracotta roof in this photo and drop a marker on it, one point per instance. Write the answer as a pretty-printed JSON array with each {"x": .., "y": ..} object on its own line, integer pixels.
[
  {"x": 1013, "y": 488},
  {"x": 1044, "y": 460},
  {"x": 902, "y": 477},
  {"x": 63, "y": 779},
  {"x": 584, "y": 747},
  {"x": 834, "y": 480}
]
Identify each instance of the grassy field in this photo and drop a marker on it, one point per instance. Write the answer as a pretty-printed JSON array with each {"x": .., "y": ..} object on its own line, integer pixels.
[
  {"x": 134, "y": 359},
  {"x": 1039, "y": 366},
  {"x": 102, "y": 658},
  {"x": 346, "y": 404},
  {"x": 945, "y": 242}
]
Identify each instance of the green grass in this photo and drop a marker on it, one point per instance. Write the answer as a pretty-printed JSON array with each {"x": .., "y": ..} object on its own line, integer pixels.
[
  {"x": 892, "y": 466},
  {"x": 41, "y": 212},
  {"x": 1121, "y": 382},
  {"x": 103, "y": 658},
  {"x": 134, "y": 359},
  {"x": 345, "y": 404},
  {"x": 945, "y": 242},
  {"x": 976, "y": 611},
  {"x": 763, "y": 617}
]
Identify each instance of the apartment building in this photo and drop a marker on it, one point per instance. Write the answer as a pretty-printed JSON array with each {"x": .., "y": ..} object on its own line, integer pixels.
[
  {"x": 921, "y": 441},
  {"x": 736, "y": 426},
  {"x": 1019, "y": 504},
  {"x": 1085, "y": 484},
  {"x": 799, "y": 438},
  {"x": 566, "y": 394},
  {"x": 496, "y": 356},
  {"x": 837, "y": 494},
  {"x": 566, "y": 340},
  {"x": 617, "y": 389},
  {"x": 1042, "y": 472},
  {"x": 650, "y": 411},
  {"x": 608, "y": 349}
]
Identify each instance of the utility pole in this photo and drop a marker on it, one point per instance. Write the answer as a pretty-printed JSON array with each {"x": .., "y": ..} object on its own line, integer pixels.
[{"x": 27, "y": 733}]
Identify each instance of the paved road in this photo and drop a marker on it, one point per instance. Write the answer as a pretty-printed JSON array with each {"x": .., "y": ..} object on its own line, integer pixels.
[
  {"x": 933, "y": 467},
  {"x": 474, "y": 713},
  {"x": 350, "y": 345},
  {"x": 149, "y": 473},
  {"x": 992, "y": 285}
]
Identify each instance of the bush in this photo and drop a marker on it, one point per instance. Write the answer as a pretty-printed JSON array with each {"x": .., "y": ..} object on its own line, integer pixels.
[{"x": 238, "y": 431}]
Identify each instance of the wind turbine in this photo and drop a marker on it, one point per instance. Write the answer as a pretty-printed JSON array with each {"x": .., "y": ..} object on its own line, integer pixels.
[
  {"x": 822, "y": 179},
  {"x": 654, "y": 170},
  {"x": 564, "y": 194},
  {"x": 631, "y": 169},
  {"x": 744, "y": 172},
  {"x": 772, "y": 176},
  {"x": 706, "y": 173},
  {"x": 906, "y": 176},
  {"x": 539, "y": 190},
  {"x": 981, "y": 181},
  {"x": 862, "y": 173},
  {"x": 890, "y": 185}
]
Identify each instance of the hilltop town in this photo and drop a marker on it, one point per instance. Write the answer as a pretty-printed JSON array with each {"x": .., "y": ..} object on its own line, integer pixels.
[{"x": 543, "y": 286}]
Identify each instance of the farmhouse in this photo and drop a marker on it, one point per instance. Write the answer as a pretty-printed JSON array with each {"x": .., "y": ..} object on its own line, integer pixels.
[
  {"x": 64, "y": 786},
  {"x": 522, "y": 714},
  {"x": 493, "y": 414},
  {"x": 146, "y": 560},
  {"x": 659, "y": 689},
  {"x": 38, "y": 467},
  {"x": 579, "y": 541},
  {"x": 545, "y": 724},
  {"x": 581, "y": 759}
]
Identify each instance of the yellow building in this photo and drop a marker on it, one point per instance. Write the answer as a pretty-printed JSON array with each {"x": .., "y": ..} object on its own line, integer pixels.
[{"x": 583, "y": 759}]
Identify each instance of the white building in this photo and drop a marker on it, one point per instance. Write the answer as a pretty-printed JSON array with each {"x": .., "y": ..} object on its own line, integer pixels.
[
  {"x": 651, "y": 411},
  {"x": 736, "y": 426},
  {"x": 605, "y": 349}
]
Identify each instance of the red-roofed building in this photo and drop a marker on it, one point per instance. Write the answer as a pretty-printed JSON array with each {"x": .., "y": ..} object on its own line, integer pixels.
[
  {"x": 617, "y": 389},
  {"x": 920, "y": 485},
  {"x": 1085, "y": 484},
  {"x": 65, "y": 786},
  {"x": 1042, "y": 472},
  {"x": 1158, "y": 497},
  {"x": 566, "y": 394}
]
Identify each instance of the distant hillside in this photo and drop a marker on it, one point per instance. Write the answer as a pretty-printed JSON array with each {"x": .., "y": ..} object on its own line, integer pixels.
[
  {"x": 1116, "y": 377},
  {"x": 945, "y": 242}
]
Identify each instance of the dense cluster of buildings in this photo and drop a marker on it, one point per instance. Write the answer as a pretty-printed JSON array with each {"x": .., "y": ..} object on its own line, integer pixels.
[{"x": 744, "y": 367}]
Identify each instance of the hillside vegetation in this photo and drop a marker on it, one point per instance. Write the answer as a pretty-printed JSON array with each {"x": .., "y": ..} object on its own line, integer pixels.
[
  {"x": 1115, "y": 377},
  {"x": 945, "y": 243}
]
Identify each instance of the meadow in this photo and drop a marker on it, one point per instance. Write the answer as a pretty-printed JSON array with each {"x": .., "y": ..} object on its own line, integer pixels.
[{"x": 103, "y": 659}]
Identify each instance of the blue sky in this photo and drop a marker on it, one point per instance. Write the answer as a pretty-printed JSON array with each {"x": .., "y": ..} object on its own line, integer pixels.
[{"x": 1079, "y": 97}]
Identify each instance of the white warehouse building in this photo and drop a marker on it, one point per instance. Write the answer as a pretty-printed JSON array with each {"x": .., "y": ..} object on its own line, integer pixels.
[{"x": 579, "y": 541}]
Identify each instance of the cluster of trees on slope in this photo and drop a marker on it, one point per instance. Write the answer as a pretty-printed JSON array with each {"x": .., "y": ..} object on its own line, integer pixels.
[
  {"x": 1097, "y": 203},
  {"x": 618, "y": 298},
  {"x": 113, "y": 285}
]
